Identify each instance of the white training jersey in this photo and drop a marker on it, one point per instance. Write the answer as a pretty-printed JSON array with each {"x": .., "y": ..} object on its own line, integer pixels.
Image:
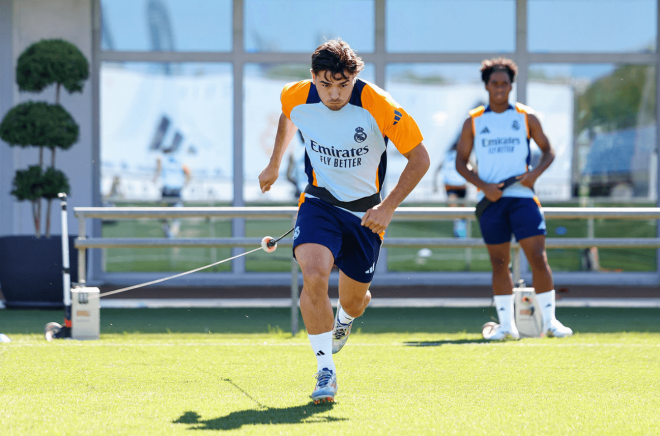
[
  {"x": 172, "y": 173},
  {"x": 346, "y": 150},
  {"x": 450, "y": 175},
  {"x": 501, "y": 146}
]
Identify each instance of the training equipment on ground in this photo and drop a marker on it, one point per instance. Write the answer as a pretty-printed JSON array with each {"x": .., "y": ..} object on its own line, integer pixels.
[
  {"x": 53, "y": 330},
  {"x": 528, "y": 317},
  {"x": 82, "y": 312},
  {"x": 268, "y": 244},
  {"x": 4, "y": 338},
  {"x": 340, "y": 332},
  {"x": 326, "y": 387}
]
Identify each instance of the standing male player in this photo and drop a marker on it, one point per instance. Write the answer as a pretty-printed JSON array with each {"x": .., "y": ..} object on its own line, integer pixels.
[
  {"x": 346, "y": 123},
  {"x": 499, "y": 135}
]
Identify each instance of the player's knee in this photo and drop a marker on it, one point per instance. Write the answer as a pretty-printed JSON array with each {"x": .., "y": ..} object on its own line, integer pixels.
[
  {"x": 499, "y": 262},
  {"x": 355, "y": 305},
  {"x": 315, "y": 278},
  {"x": 537, "y": 259}
]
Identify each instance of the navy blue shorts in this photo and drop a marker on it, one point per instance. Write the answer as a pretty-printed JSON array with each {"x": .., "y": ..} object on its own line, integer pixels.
[
  {"x": 355, "y": 248},
  {"x": 521, "y": 217}
]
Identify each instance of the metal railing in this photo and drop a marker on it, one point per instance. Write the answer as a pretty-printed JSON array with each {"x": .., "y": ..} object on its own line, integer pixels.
[{"x": 83, "y": 243}]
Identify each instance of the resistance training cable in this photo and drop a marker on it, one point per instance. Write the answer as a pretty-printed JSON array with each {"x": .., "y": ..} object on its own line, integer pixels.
[{"x": 267, "y": 242}]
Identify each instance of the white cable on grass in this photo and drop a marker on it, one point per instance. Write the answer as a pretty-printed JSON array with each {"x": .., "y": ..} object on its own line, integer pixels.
[{"x": 117, "y": 291}]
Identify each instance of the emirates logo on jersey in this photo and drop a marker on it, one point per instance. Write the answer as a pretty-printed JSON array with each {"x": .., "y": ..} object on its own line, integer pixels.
[{"x": 359, "y": 136}]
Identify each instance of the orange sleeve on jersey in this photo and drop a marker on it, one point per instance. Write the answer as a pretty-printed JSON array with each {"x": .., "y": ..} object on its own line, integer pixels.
[
  {"x": 474, "y": 113},
  {"x": 294, "y": 94},
  {"x": 392, "y": 120},
  {"x": 522, "y": 109}
]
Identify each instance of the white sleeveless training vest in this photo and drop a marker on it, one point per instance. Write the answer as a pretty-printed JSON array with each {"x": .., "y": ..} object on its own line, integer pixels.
[{"x": 501, "y": 146}]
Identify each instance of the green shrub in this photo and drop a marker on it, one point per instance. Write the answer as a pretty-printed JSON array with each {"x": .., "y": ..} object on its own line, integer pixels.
[{"x": 44, "y": 125}]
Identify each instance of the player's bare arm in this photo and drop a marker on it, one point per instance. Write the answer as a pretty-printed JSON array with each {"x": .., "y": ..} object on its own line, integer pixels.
[
  {"x": 285, "y": 131},
  {"x": 463, "y": 150},
  {"x": 378, "y": 218},
  {"x": 536, "y": 132}
]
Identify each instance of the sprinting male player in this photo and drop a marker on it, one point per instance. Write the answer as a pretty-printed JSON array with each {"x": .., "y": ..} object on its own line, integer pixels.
[
  {"x": 346, "y": 124},
  {"x": 499, "y": 135}
]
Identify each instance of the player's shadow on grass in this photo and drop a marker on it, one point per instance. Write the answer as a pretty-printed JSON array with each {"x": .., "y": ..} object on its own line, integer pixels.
[
  {"x": 446, "y": 342},
  {"x": 264, "y": 416}
]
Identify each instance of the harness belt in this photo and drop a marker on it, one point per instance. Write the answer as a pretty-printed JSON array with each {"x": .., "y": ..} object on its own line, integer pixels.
[
  {"x": 360, "y": 205},
  {"x": 484, "y": 202}
]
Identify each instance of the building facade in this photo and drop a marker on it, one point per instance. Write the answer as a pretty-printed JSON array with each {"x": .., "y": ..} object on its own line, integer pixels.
[{"x": 202, "y": 80}]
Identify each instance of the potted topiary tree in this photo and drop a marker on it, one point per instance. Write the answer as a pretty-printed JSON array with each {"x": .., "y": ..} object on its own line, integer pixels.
[{"x": 35, "y": 280}]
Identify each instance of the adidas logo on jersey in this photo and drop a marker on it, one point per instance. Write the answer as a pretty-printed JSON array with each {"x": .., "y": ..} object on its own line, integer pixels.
[
  {"x": 397, "y": 117},
  {"x": 372, "y": 269},
  {"x": 485, "y": 130}
]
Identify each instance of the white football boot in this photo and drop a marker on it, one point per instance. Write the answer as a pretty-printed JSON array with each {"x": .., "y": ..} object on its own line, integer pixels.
[
  {"x": 340, "y": 332},
  {"x": 326, "y": 387},
  {"x": 557, "y": 330},
  {"x": 495, "y": 332}
]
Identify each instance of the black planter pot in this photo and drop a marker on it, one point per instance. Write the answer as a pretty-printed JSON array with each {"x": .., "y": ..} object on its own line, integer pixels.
[{"x": 31, "y": 271}]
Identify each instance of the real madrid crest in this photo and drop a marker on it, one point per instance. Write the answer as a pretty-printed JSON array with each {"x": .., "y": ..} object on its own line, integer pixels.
[
  {"x": 515, "y": 125},
  {"x": 359, "y": 136}
]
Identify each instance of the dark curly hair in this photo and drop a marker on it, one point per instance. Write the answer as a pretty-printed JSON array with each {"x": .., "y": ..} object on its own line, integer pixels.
[
  {"x": 489, "y": 66},
  {"x": 337, "y": 58}
]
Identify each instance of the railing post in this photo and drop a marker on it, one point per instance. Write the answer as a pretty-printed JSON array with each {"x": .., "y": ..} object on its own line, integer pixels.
[
  {"x": 82, "y": 268},
  {"x": 294, "y": 292},
  {"x": 468, "y": 251}
]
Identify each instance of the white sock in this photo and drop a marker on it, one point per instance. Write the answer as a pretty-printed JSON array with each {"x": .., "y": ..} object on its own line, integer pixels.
[
  {"x": 322, "y": 347},
  {"x": 504, "y": 306},
  {"x": 547, "y": 304},
  {"x": 344, "y": 317}
]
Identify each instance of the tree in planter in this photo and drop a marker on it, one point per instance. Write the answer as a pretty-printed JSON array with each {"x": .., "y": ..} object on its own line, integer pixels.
[{"x": 41, "y": 124}]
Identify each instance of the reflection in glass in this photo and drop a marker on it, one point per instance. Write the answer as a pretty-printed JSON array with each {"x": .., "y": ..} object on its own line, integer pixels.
[
  {"x": 148, "y": 108},
  {"x": 176, "y": 117},
  {"x": 574, "y": 26},
  {"x": 600, "y": 118},
  {"x": 312, "y": 24},
  {"x": 606, "y": 115},
  {"x": 426, "y": 26},
  {"x": 166, "y": 25},
  {"x": 262, "y": 109}
]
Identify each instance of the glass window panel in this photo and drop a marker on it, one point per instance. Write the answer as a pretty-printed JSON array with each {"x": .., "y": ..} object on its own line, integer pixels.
[
  {"x": 166, "y": 25},
  {"x": 147, "y": 108},
  {"x": 263, "y": 86},
  {"x": 450, "y": 26},
  {"x": 603, "y": 116},
  {"x": 600, "y": 118},
  {"x": 592, "y": 26},
  {"x": 301, "y": 25}
]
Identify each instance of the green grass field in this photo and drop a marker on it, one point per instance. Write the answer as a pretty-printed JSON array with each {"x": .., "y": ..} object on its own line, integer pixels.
[
  {"x": 399, "y": 259},
  {"x": 403, "y": 371}
]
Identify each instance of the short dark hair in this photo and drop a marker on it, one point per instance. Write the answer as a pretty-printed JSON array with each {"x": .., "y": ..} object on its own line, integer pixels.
[
  {"x": 489, "y": 66},
  {"x": 336, "y": 57}
]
